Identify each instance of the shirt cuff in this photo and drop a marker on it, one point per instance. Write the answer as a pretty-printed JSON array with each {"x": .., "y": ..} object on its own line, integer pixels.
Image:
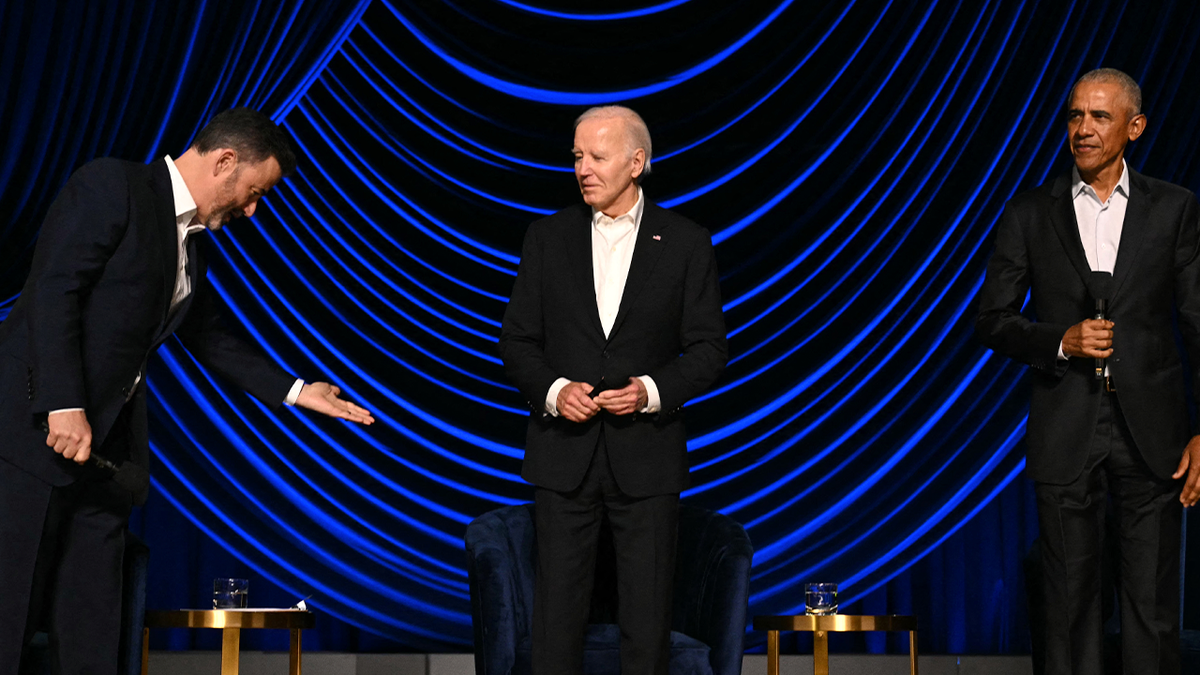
[
  {"x": 653, "y": 402},
  {"x": 552, "y": 395},
  {"x": 66, "y": 410},
  {"x": 294, "y": 392},
  {"x": 1061, "y": 355}
]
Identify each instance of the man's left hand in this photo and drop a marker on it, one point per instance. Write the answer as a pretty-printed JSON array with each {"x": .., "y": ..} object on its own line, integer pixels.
[
  {"x": 628, "y": 399},
  {"x": 322, "y": 397},
  {"x": 1189, "y": 465}
]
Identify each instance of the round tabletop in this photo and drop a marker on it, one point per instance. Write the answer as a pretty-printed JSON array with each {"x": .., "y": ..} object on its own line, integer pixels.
[
  {"x": 230, "y": 618},
  {"x": 836, "y": 623}
]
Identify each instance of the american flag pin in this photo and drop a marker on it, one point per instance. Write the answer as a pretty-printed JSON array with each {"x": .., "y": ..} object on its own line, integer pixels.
[{"x": 657, "y": 237}]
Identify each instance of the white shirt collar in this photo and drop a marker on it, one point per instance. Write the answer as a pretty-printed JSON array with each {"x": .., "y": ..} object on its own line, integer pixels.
[
  {"x": 634, "y": 214},
  {"x": 1078, "y": 186},
  {"x": 185, "y": 206}
]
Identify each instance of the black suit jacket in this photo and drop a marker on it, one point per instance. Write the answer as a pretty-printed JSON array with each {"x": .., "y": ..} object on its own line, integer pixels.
[
  {"x": 669, "y": 326},
  {"x": 1157, "y": 274},
  {"x": 95, "y": 307}
]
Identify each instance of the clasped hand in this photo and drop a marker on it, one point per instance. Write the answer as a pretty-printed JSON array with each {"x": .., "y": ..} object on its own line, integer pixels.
[
  {"x": 1091, "y": 338},
  {"x": 576, "y": 404}
]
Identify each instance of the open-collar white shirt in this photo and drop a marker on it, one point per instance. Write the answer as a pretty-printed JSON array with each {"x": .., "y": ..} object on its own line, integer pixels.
[
  {"x": 1100, "y": 223},
  {"x": 613, "y": 242}
]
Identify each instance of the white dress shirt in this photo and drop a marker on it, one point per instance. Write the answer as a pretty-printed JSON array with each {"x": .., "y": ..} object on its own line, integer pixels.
[
  {"x": 1100, "y": 223},
  {"x": 613, "y": 241},
  {"x": 185, "y": 226}
]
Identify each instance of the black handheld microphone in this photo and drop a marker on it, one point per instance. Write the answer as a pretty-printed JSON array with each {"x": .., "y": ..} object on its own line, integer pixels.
[
  {"x": 131, "y": 477},
  {"x": 1100, "y": 285},
  {"x": 128, "y": 475}
]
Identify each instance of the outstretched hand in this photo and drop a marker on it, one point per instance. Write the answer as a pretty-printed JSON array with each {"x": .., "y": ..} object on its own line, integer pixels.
[
  {"x": 1189, "y": 465},
  {"x": 323, "y": 397}
]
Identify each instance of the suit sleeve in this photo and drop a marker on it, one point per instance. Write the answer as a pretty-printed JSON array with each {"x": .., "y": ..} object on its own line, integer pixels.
[
  {"x": 82, "y": 230},
  {"x": 522, "y": 336},
  {"x": 701, "y": 334},
  {"x": 207, "y": 338},
  {"x": 1187, "y": 285},
  {"x": 1000, "y": 324}
]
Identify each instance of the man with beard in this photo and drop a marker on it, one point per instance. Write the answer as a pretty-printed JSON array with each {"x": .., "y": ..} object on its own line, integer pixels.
[
  {"x": 614, "y": 323},
  {"x": 116, "y": 271},
  {"x": 1116, "y": 428}
]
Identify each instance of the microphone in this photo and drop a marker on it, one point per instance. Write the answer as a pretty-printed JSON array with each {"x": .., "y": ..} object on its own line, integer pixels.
[
  {"x": 131, "y": 477},
  {"x": 1100, "y": 287}
]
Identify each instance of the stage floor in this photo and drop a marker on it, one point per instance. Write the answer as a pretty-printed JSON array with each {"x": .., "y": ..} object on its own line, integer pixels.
[{"x": 333, "y": 663}]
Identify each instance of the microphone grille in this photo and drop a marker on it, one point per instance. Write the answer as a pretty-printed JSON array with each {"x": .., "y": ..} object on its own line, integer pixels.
[{"x": 1100, "y": 285}]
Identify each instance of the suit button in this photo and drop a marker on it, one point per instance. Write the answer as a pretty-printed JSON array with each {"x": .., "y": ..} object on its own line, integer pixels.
[{"x": 604, "y": 353}]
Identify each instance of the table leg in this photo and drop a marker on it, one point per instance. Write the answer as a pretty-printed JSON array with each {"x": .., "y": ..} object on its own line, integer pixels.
[
  {"x": 772, "y": 652},
  {"x": 912, "y": 652},
  {"x": 145, "y": 651},
  {"x": 294, "y": 653},
  {"x": 820, "y": 653},
  {"x": 231, "y": 643}
]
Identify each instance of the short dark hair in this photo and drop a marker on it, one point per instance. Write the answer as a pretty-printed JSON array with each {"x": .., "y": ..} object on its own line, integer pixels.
[{"x": 249, "y": 133}]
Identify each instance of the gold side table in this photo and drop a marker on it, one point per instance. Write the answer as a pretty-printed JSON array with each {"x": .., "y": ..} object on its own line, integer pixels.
[
  {"x": 231, "y": 621},
  {"x": 821, "y": 626}
]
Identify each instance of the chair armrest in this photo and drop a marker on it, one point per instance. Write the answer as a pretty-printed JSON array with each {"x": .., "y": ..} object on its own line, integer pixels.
[
  {"x": 499, "y": 570},
  {"x": 717, "y": 587}
]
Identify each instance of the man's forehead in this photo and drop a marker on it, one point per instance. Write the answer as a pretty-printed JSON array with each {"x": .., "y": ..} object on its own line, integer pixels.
[
  {"x": 602, "y": 127},
  {"x": 1097, "y": 95}
]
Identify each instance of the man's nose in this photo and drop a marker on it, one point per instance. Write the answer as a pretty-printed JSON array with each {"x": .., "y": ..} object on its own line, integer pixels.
[{"x": 249, "y": 210}]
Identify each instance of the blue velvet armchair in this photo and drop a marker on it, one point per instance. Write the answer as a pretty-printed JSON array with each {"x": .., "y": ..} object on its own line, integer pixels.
[{"x": 712, "y": 583}]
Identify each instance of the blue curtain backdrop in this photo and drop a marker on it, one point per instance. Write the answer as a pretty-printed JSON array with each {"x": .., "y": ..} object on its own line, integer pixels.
[{"x": 849, "y": 158}]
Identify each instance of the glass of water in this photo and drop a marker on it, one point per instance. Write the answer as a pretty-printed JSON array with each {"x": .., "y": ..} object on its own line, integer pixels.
[
  {"x": 820, "y": 598},
  {"x": 231, "y": 593}
]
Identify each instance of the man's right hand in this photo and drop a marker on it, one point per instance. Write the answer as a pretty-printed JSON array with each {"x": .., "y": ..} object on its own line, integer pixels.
[
  {"x": 1091, "y": 338},
  {"x": 574, "y": 403},
  {"x": 70, "y": 435}
]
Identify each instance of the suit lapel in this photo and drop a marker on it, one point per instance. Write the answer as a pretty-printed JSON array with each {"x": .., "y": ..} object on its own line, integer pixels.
[
  {"x": 1133, "y": 231},
  {"x": 646, "y": 251},
  {"x": 579, "y": 251},
  {"x": 1062, "y": 216}
]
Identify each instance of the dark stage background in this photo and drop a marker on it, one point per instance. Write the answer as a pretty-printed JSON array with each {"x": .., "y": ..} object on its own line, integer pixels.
[{"x": 849, "y": 158}]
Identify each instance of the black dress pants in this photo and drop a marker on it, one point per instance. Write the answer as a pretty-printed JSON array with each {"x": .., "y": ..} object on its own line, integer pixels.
[
  {"x": 644, "y": 532},
  {"x": 61, "y": 553},
  {"x": 1072, "y": 522}
]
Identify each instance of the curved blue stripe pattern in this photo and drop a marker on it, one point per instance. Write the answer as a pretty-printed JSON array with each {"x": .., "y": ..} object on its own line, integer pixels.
[{"x": 849, "y": 158}]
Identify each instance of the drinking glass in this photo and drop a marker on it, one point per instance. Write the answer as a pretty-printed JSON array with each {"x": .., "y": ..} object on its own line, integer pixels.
[
  {"x": 820, "y": 598},
  {"x": 231, "y": 593}
]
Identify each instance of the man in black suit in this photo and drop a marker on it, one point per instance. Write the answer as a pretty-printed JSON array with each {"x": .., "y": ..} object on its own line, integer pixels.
[
  {"x": 116, "y": 271},
  {"x": 614, "y": 323},
  {"x": 1116, "y": 429}
]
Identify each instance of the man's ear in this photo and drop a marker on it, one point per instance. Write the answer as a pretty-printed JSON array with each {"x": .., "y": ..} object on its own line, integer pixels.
[
  {"x": 1137, "y": 125},
  {"x": 639, "y": 162},
  {"x": 224, "y": 162}
]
